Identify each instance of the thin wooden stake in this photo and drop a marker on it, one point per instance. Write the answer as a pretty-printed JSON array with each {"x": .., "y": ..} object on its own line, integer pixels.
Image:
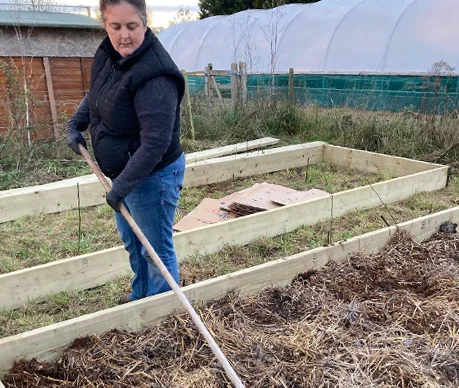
[
  {"x": 218, "y": 91},
  {"x": 385, "y": 205},
  {"x": 385, "y": 221},
  {"x": 330, "y": 230},
  {"x": 307, "y": 173},
  {"x": 166, "y": 274},
  {"x": 79, "y": 218},
  {"x": 188, "y": 100}
]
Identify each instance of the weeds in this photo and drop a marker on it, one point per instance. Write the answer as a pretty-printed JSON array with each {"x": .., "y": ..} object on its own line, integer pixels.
[{"x": 407, "y": 134}]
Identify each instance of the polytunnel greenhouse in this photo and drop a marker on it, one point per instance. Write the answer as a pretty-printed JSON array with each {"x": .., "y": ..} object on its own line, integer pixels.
[{"x": 386, "y": 54}]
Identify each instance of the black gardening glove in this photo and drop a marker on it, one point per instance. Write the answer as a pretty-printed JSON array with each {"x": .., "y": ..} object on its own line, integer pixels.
[
  {"x": 114, "y": 200},
  {"x": 74, "y": 139}
]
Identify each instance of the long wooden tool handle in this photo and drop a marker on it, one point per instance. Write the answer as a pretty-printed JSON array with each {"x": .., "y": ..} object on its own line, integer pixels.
[{"x": 170, "y": 280}]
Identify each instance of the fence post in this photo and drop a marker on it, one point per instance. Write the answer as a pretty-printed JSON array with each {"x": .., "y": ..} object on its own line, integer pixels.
[
  {"x": 188, "y": 101},
  {"x": 83, "y": 77},
  {"x": 243, "y": 83},
  {"x": 291, "y": 90},
  {"x": 52, "y": 100},
  {"x": 234, "y": 86},
  {"x": 208, "y": 83}
]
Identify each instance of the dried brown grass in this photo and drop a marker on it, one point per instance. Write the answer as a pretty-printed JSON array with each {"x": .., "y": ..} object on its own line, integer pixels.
[{"x": 386, "y": 320}]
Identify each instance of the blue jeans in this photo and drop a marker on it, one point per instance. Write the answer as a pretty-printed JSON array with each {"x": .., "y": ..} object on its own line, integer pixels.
[{"x": 152, "y": 204}]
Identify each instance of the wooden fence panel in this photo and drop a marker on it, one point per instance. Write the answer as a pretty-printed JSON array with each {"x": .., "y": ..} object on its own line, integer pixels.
[
  {"x": 25, "y": 103},
  {"x": 4, "y": 112},
  {"x": 69, "y": 80}
]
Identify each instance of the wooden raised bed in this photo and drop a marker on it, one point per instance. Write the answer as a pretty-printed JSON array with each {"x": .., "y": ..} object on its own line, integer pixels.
[
  {"x": 60, "y": 196},
  {"x": 46, "y": 343},
  {"x": 95, "y": 269}
]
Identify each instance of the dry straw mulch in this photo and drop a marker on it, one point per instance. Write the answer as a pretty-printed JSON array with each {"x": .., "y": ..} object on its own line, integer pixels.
[{"x": 387, "y": 320}]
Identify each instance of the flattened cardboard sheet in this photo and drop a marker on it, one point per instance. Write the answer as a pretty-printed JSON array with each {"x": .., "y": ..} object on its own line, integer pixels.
[
  {"x": 206, "y": 213},
  {"x": 260, "y": 197},
  {"x": 257, "y": 197},
  {"x": 294, "y": 196}
]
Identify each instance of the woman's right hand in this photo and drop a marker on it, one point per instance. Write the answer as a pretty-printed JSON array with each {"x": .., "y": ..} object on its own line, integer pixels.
[{"x": 74, "y": 139}]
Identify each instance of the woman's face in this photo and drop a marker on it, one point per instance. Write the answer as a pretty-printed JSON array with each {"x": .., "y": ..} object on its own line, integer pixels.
[{"x": 125, "y": 28}]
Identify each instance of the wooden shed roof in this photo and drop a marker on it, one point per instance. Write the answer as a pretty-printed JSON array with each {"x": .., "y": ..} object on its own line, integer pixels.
[{"x": 47, "y": 19}]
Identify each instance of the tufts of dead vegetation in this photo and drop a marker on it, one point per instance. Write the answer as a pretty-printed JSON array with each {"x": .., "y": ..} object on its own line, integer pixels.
[{"x": 386, "y": 320}]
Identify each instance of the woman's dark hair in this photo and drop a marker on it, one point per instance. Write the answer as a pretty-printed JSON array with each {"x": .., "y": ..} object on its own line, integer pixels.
[{"x": 139, "y": 5}]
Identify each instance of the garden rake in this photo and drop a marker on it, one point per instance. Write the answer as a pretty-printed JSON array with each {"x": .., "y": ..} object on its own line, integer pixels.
[{"x": 170, "y": 280}]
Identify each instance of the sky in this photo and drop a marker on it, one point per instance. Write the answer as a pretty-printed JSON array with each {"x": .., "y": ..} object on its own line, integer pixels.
[
  {"x": 172, "y": 2},
  {"x": 165, "y": 12},
  {"x": 167, "y": 3}
]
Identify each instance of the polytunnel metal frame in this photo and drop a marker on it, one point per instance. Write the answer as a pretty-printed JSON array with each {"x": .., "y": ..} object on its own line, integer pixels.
[
  {"x": 360, "y": 42},
  {"x": 338, "y": 36}
]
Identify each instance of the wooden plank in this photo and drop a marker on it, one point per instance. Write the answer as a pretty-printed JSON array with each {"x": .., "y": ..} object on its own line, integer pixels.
[
  {"x": 61, "y": 72},
  {"x": 46, "y": 343},
  {"x": 231, "y": 149},
  {"x": 390, "y": 191},
  {"x": 220, "y": 72},
  {"x": 66, "y": 63},
  {"x": 71, "y": 84},
  {"x": 64, "y": 95},
  {"x": 52, "y": 100},
  {"x": 373, "y": 162},
  {"x": 50, "y": 198},
  {"x": 90, "y": 270},
  {"x": 224, "y": 87},
  {"x": 240, "y": 166},
  {"x": 73, "y": 274},
  {"x": 60, "y": 196}
]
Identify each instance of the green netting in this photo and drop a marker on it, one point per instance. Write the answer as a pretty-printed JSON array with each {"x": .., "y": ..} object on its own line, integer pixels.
[{"x": 426, "y": 94}]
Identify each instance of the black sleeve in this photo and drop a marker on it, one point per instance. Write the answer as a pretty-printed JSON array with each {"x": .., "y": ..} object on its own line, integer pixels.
[
  {"x": 80, "y": 119},
  {"x": 156, "y": 105}
]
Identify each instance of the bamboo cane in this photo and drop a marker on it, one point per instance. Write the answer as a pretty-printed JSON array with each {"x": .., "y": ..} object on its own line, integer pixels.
[{"x": 170, "y": 280}]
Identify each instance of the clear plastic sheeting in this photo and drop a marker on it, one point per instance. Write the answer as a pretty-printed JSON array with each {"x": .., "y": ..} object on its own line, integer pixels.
[{"x": 331, "y": 36}]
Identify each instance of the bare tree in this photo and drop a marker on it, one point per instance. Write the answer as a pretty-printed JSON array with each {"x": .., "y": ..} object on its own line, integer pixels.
[
  {"x": 438, "y": 72},
  {"x": 272, "y": 32},
  {"x": 19, "y": 73},
  {"x": 183, "y": 15},
  {"x": 249, "y": 48}
]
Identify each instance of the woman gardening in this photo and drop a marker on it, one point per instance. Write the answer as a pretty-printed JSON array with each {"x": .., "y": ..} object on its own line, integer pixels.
[{"x": 133, "y": 114}]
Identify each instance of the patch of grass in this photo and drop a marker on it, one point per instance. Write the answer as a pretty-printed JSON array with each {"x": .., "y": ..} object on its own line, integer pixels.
[
  {"x": 60, "y": 307},
  {"x": 407, "y": 134},
  {"x": 9, "y": 178},
  {"x": 36, "y": 240},
  {"x": 40, "y": 239},
  {"x": 22, "y": 166},
  {"x": 232, "y": 258}
]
